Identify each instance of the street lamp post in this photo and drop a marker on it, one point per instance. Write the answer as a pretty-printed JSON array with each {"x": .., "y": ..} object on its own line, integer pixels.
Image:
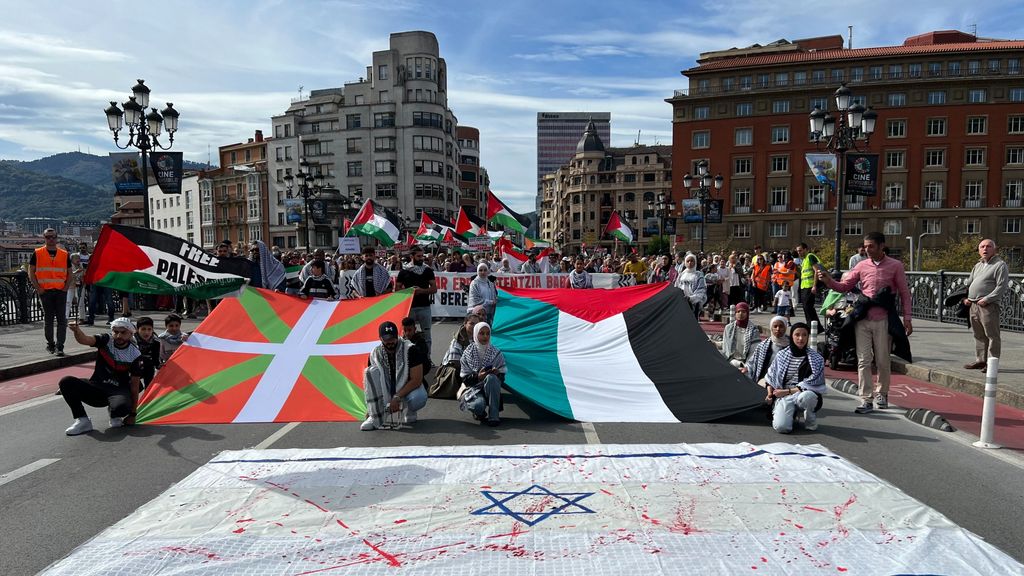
[
  {"x": 837, "y": 134},
  {"x": 662, "y": 207},
  {"x": 310, "y": 186},
  {"x": 143, "y": 131},
  {"x": 703, "y": 192}
]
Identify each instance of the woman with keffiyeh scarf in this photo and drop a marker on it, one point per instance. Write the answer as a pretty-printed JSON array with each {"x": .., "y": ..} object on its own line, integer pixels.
[
  {"x": 483, "y": 369},
  {"x": 579, "y": 278},
  {"x": 740, "y": 337},
  {"x": 796, "y": 380}
]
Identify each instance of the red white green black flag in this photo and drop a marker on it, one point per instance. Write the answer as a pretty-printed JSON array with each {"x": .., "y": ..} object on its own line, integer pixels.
[
  {"x": 377, "y": 222},
  {"x": 502, "y": 215},
  {"x": 619, "y": 229}
]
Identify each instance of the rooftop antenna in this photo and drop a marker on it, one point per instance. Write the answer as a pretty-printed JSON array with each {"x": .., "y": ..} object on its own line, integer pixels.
[
  {"x": 637, "y": 143},
  {"x": 208, "y": 165},
  {"x": 974, "y": 30},
  {"x": 849, "y": 41},
  {"x": 300, "y": 91}
]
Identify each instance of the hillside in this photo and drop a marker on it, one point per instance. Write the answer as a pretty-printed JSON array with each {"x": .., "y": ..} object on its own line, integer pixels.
[
  {"x": 24, "y": 194},
  {"x": 88, "y": 169}
]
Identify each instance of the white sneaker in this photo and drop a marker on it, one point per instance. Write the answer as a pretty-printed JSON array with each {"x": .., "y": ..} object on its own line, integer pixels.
[
  {"x": 408, "y": 417},
  {"x": 80, "y": 426},
  {"x": 811, "y": 421},
  {"x": 116, "y": 422},
  {"x": 369, "y": 424}
]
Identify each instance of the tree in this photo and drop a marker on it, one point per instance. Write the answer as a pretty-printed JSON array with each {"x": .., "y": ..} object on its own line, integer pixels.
[
  {"x": 959, "y": 255},
  {"x": 659, "y": 245}
]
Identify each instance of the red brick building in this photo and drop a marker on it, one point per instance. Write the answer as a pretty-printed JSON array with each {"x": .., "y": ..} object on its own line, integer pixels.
[
  {"x": 233, "y": 198},
  {"x": 950, "y": 134},
  {"x": 471, "y": 175}
]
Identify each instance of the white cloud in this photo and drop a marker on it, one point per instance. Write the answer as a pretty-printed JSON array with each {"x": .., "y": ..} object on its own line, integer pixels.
[{"x": 53, "y": 47}]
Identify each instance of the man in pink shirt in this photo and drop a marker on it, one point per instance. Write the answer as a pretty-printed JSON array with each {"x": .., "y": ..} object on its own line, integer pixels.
[{"x": 874, "y": 342}]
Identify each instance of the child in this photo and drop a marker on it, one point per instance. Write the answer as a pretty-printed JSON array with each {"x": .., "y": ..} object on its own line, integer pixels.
[
  {"x": 783, "y": 304},
  {"x": 171, "y": 338},
  {"x": 317, "y": 285},
  {"x": 150, "y": 348}
]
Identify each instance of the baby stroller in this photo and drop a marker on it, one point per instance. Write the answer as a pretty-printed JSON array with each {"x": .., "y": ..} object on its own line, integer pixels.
[{"x": 834, "y": 312}]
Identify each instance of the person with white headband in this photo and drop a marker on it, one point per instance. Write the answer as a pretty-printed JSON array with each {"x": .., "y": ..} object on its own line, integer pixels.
[{"x": 114, "y": 382}]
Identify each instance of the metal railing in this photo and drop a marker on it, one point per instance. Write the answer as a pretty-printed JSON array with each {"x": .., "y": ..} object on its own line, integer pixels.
[
  {"x": 19, "y": 303},
  {"x": 818, "y": 207},
  {"x": 929, "y": 289}
]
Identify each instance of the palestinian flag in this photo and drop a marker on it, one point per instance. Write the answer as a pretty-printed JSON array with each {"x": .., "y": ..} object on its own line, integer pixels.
[
  {"x": 625, "y": 355},
  {"x": 530, "y": 243},
  {"x": 459, "y": 243},
  {"x": 268, "y": 357},
  {"x": 377, "y": 222},
  {"x": 619, "y": 229},
  {"x": 502, "y": 215},
  {"x": 291, "y": 276},
  {"x": 143, "y": 261},
  {"x": 516, "y": 257},
  {"x": 469, "y": 225},
  {"x": 346, "y": 225}
]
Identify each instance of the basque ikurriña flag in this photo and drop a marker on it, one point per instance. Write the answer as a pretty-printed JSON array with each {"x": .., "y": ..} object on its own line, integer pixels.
[
  {"x": 143, "y": 261},
  {"x": 625, "y": 355},
  {"x": 269, "y": 357}
]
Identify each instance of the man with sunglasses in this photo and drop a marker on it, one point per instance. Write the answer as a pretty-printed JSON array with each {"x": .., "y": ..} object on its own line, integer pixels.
[
  {"x": 393, "y": 382},
  {"x": 49, "y": 270}
]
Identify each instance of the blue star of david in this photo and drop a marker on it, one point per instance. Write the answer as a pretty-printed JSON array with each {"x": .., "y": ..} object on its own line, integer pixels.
[{"x": 503, "y": 504}]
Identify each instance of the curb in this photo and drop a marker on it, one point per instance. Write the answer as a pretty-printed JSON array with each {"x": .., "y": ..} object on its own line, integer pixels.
[
  {"x": 40, "y": 366},
  {"x": 956, "y": 382},
  {"x": 930, "y": 419},
  {"x": 845, "y": 386}
]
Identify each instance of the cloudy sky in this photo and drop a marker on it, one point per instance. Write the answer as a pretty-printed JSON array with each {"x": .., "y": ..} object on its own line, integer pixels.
[{"x": 228, "y": 66}]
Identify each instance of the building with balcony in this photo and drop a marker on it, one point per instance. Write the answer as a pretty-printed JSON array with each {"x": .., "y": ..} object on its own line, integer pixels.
[
  {"x": 950, "y": 135},
  {"x": 233, "y": 199},
  {"x": 389, "y": 136},
  {"x": 580, "y": 195},
  {"x": 557, "y": 136},
  {"x": 471, "y": 173}
]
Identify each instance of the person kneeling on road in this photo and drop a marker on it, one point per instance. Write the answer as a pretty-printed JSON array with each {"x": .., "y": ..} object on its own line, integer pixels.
[
  {"x": 114, "y": 382},
  {"x": 393, "y": 382},
  {"x": 483, "y": 371},
  {"x": 796, "y": 379}
]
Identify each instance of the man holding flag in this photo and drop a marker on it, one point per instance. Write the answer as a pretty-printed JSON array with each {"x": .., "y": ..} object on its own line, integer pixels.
[{"x": 421, "y": 277}]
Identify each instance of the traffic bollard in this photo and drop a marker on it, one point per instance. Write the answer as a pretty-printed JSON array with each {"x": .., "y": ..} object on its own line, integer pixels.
[
  {"x": 988, "y": 410},
  {"x": 813, "y": 341}
]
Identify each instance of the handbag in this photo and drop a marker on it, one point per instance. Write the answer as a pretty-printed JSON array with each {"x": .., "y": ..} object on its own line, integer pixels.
[{"x": 446, "y": 382}]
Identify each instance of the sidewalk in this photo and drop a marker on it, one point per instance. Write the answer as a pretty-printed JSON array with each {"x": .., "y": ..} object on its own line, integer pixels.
[
  {"x": 23, "y": 346},
  {"x": 940, "y": 352}
]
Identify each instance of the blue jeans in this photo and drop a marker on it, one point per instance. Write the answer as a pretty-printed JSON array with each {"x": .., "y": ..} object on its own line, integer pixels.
[
  {"x": 422, "y": 317},
  {"x": 785, "y": 410},
  {"x": 100, "y": 297},
  {"x": 489, "y": 402},
  {"x": 417, "y": 399}
]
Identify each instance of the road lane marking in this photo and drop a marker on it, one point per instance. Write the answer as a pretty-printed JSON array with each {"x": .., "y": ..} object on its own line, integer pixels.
[
  {"x": 276, "y": 435},
  {"x": 590, "y": 433},
  {"x": 26, "y": 470},
  {"x": 28, "y": 404}
]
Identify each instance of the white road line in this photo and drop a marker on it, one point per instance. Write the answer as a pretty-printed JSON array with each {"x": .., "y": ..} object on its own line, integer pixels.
[
  {"x": 276, "y": 435},
  {"x": 26, "y": 470},
  {"x": 590, "y": 432},
  {"x": 28, "y": 404}
]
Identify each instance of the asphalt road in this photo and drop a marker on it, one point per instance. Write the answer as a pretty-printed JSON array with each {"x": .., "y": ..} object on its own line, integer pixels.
[{"x": 102, "y": 477}]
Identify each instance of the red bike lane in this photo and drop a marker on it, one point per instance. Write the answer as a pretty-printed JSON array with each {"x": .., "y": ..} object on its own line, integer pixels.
[{"x": 20, "y": 389}]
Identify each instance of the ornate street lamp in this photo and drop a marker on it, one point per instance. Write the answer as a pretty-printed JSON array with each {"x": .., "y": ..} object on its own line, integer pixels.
[
  {"x": 143, "y": 131},
  {"x": 307, "y": 185},
  {"x": 662, "y": 207},
  {"x": 838, "y": 133},
  {"x": 703, "y": 192}
]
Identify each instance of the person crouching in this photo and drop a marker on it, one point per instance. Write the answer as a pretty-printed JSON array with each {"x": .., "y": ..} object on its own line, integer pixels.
[
  {"x": 393, "y": 382},
  {"x": 796, "y": 379},
  {"x": 483, "y": 370}
]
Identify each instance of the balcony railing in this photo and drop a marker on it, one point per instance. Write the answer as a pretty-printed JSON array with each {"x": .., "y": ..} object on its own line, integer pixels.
[
  {"x": 778, "y": 208},
  {"x": 893, "y": 204},
  {"x": 973, "y": 203},
  {"x": 741, "y": 209},
  {"x": 816, "y": 207},
  {"x": 933, "y": 203},
  {"x": 854, "y": 205},
  {"x": 1012, "y": 202}
]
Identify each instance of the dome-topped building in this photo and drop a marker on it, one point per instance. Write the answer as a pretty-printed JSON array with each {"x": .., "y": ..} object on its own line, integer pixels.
[{"x": 590, "y": 141}]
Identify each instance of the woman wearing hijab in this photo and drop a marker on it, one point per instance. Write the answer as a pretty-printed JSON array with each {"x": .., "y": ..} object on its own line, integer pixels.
[
  {"x": 740, "y": 337},
  {"x": 796, "y": 380},
  {"x": 758, "y": 365},
  {"x": 691, "y": 281},
  {"x": 483, "y": 370},
  {"x": 483, "y": 295},
  {"x": 579, "y": 278}
]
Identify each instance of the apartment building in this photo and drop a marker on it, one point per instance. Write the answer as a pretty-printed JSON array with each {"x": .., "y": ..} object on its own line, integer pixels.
[
  {"x": 233, "y": 199},
  {"x": 557, "y": 136}
]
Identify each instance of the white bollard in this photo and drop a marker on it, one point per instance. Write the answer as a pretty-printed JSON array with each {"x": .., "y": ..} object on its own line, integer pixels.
[
  {"x": 813, "y": 341},
  {"x": 988, "y": 410},
  {"x": 732, "y": 314}
]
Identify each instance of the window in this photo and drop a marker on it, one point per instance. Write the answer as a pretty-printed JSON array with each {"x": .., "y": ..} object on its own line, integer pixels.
[
  {"x": 975, "y": 157},
  {"x": 993, "y": 65},
  {"x": 353, "y": 121},
  {"x": 780, "y": 163},
  {"x": 629, "y": 178},
  {"x": 780, "y": 134},
  {"x": 1013, "y": 66},
  {"x": 895, "y": 71},
  {"x": 384, "y": 167},
  {"x": 875, "y": 72},
  {"x": 701, "y": 112},
  {"x": 1014, "y": 191},
  {"x": 973, "y": 191},
  {"x": 937, "y": 97},
  {"x": 1011, "y": 225},
  {"x": 384, "y": 97},
  {"x": 837, "y": 75},
  {"x": 815, "y": 229},
  {"x": 780, "y": 106},
  {"x": 853, "y": 228},
  {"x": 728, "y": 84},
  {"x": 703, "y": 85},
  {"x": 977, "y": 125},
  {"x": 742, "y": 166},
  {"x": 935, "y": 158},
  {"x": 816, "y": 197},
  {"x": 1015, "y": 125},
  {"x": 1016, "y": 94},
  {"x": 914, "y": 70},
  {"x": 354, "y": 145},
  {"x": 744, "y": 109},
  {"x": 974, "y": 67},
  {"x": 745, "y": 83},
  {"x": 741, "y": 198},
  {"x": 355, "y": 168},
  {"x": 778, "y": 229},
  {"x": 431, "y": 143},
  {"x": 384, "y": 120},
  {"x": 953, "y": 68},
  {"x": 431, "y": 168},
  {"x": 701, "y": 139},
  {"x": 933, "y": 194},
  {"x": 935, "y": 68},
  {"x": 819, "y": 103},
  {"x": 382, "y": 72},
  {"x": 931, "y": 225},
  {"x": 1015, "y": 155},
  {"x": 427, "y": 119},
  {"x": 360, "y": 99},
  {"x": 287, "y": 152},
  {"x": 741, "y": 230},
  {"x": 856, "y": 74},
  {"x": 779, "y": 198},
  {"x": 818, "y": 76},
  {"x": 936, "y": 127},
  {"x": 895, "y": 159},
  {"x": 799, "y": 78},
  {"x": 782, "y": 78},
  {"x": 972, "y": 226},
  {"x": 387, "y": 190},
  {"x": 898, "y": 99},
  {"x": 977, "y": 96},
  {"x": 764, "y": 80},
  {"x": 896, "y": 128},
  {"x": 892, "y": 227},
  {"x": 744, "y": 136}
]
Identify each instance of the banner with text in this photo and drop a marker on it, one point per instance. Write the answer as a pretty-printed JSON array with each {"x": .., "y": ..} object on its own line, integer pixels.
[
  {"x": 715, "y": 208},
  {"x": 167, "y": 168},
  {"x": 862, "y": 174},
  {"x": 127, "y": 172}
]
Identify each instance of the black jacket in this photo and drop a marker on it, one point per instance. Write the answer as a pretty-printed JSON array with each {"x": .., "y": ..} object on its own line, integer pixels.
[{"x": 885, "y": 299}]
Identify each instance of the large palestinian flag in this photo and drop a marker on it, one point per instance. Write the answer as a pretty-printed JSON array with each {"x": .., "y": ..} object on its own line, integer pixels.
[
  {"x": 502, "y": 215},
  {"x": 143, "y": 261},
  {"x": 516, "y": 257},
  {"x": 377, "y": 222},
  {"x": 269, "y": 357},
  {"x": 626, "y": 355},
  {"x": 619, "y": 229},
  {"x": 469, "y": 225}
]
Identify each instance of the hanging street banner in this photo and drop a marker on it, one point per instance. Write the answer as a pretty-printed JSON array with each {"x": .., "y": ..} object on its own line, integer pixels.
[
  {"x": 823, "y": 166},
  {"x": 167, "y": 168},
  {"x": 127, "y": 172},
  {"x": 715, "y": 208},
  {"x": 691, "y": 210},
  {"x": 293, "y": 210},
  {"x": 862, "y": 174}
]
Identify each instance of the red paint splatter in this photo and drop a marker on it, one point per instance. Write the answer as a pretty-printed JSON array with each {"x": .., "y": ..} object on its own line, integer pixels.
[
  {"x": 763, "y": 559},
  {"x": 607, "y": 492},
  {"x": 401, "y": 521},
  {"x": 813, "y": 508},
  {"x": 239, "y": 531},
  {"x": 841, "y": 569},
  {"x": 314, "y": 504},
  {"x": 391, "y": 559},
  {"x": 342, "y": 524},
  {"x": 244, "y": 520}
]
